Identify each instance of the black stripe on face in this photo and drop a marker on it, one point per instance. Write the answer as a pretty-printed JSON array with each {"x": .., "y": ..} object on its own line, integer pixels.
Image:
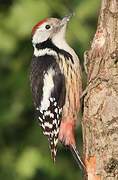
[{"x": 49, "y": 44}]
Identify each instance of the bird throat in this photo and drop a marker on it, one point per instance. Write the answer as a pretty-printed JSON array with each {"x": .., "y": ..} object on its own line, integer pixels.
[{"x": 50, "y": 46}]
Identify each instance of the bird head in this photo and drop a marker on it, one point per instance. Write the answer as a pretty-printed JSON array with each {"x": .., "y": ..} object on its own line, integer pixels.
[{"x": 49, "y": 28}]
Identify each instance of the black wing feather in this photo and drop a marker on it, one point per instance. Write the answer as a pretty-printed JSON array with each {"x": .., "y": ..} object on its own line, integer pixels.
[
  {"x": 39, "y": 66},
  {"x": 50, "y": 118}
]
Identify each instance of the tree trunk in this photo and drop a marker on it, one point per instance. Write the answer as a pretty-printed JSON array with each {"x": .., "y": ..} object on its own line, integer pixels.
[{"x": 100, "y": 119}]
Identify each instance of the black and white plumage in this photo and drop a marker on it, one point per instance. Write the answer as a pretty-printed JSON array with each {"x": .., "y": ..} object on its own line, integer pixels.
[
  {"x": 48, "y": 89},
  {"x": 56, "y": 84}
]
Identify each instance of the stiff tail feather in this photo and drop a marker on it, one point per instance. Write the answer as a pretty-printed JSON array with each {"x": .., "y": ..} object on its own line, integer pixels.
[
  {"x": 53, "y": 147},
  {"x": 77, "y": 157}
]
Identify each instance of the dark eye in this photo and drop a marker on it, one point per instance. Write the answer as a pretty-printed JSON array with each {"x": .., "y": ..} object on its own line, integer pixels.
[{"x": 47, "y": 26}]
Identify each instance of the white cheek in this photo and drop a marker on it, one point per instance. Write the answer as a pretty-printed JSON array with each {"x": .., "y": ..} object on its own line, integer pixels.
[{"x": 40, "y": 36}]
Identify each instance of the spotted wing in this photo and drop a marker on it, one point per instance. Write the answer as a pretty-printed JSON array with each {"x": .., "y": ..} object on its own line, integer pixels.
[{"x": 48, "y": 89}]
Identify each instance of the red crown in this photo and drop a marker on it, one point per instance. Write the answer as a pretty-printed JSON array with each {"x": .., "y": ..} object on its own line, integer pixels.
[{"x": 37, "y": 25}]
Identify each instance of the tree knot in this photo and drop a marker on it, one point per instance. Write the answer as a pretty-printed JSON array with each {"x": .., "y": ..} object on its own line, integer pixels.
[
  {"x": 114, "y": 56},
  {"x": 111, "y": 166}
]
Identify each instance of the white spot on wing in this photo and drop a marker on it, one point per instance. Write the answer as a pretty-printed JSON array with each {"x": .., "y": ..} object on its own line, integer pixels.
[
  {"x": 55, "y": 121},
  {"x": 47, "y": 124},
  {"x": 56, "y": 131},
  {"x": 51, "y": 99},
  {"x": 60, "y": 110},
  {"x": 43, "y": 126},
  {"x": 56, "y": 110},
  {"x": 46, "y": 113},
  {"x": 51, "y": 115},
  {"x": 55, "y": 103},
  {"x": 41, "y": 120},
  {"x": 46, "y": 133},
  {"x": 41, "y": 111},
  {"x": 55, "y": 141}
]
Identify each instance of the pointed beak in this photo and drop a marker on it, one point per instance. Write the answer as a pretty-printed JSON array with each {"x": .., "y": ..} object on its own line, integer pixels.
[
  {"x": 66, "y": 19},
  {"x": 63, "y": 22}
]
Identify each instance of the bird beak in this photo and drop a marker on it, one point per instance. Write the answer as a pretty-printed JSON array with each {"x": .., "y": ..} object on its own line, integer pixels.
[
  {"x": 66, "y": 19},
  {"x": 63, "y": 22}
]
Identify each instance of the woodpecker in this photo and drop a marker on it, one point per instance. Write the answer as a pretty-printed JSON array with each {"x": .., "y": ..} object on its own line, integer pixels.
[{"x": 56, "y": 84}]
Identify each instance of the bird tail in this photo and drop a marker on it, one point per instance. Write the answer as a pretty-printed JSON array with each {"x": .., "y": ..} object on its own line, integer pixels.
[
  {"x": 53, "y": 147},
  {"x": 77, "y": 157}
]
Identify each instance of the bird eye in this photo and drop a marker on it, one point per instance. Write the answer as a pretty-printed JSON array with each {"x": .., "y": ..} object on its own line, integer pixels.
[{"x": 47, "y": 26}]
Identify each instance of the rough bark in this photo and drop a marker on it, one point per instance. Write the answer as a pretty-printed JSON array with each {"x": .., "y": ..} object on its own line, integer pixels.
[{"x": 100, "y": 119}]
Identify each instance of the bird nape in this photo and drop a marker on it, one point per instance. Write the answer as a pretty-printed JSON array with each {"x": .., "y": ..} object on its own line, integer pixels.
[{"x": 56, "y": 84}]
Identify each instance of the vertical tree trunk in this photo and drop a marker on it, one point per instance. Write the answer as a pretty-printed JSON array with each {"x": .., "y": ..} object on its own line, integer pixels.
[{"x": 100, "y": 119}]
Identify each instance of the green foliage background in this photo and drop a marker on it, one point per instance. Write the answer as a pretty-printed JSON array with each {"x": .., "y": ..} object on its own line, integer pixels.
[{"x": 24, "y": 153}]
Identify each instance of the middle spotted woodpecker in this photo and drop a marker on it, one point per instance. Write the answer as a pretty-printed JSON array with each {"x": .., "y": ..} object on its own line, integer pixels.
[{"x": 56, "y": 84}]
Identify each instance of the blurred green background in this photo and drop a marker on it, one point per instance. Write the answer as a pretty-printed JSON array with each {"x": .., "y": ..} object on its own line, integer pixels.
[{"x": 24, "y": 153}]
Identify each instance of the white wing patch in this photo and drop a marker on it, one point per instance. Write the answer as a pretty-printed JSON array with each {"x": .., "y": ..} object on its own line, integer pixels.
[{"x": 47, "y": 89}]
